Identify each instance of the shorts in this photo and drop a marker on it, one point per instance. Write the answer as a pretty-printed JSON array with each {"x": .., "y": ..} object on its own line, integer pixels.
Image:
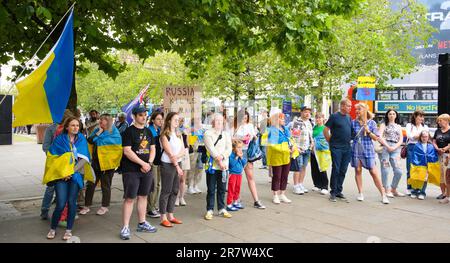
[
  {"x": 302, "y": 161},
  {"x": 136, "y": 184}
]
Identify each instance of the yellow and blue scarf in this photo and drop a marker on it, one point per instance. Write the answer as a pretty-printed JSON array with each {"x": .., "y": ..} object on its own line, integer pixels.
[
  {"x": 424, "y": 167},
  {"x": 62, "y": 157},
  {"x": 109, "y": 148}
]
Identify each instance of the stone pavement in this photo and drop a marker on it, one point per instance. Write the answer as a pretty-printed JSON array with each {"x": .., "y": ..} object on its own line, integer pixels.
[{"x": 310, "y": 218}]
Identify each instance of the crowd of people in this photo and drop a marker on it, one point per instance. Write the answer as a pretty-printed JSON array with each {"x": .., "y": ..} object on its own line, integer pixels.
[{"x": 162, "y": 157}]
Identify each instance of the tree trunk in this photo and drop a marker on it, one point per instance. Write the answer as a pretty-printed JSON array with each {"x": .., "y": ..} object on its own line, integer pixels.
[{"x": 236, "y": 104}]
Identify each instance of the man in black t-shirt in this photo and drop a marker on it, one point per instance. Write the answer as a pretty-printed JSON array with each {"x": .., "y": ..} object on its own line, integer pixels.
[{"x": 138, "y": 155}]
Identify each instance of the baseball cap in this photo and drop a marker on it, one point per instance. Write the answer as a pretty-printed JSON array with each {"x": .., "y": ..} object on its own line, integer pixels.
[
  {"x": 305, "y": 108},
  {"x": 138, "y": 109}
]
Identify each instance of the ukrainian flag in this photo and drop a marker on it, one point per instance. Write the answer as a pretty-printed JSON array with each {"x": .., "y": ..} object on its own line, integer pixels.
[
  {"x": 109, "y": 148},
  {"x": 61, "y": 160},
  {"x": 424, "y": 167},
  {"x": 43, "y": 95},
  {"x": 278, "y": 152}
]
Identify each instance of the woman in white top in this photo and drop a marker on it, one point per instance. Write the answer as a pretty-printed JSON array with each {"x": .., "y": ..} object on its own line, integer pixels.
[
  {"x": 173, "y": 152},
  {"x": 391, "y": 132},
  {"x": 246, "y": 132},
  {"x": 413, "y": 131}
]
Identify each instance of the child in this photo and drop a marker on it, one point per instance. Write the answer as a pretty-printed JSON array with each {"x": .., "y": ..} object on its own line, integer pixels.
[
  {"x": 236, "y": 163},
  {"x": 424, "y": 166}
]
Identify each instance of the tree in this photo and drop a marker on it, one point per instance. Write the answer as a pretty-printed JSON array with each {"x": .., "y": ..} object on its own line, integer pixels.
[
  {"x": 377, "y": 42},
  {"x": 196, "y": 29},
  {"x": 99, "y": 91}
]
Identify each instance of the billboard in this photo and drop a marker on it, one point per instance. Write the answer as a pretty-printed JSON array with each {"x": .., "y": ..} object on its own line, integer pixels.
[
  {"x": 439, "y": 17},
  {"x": 428, "y": 106}
]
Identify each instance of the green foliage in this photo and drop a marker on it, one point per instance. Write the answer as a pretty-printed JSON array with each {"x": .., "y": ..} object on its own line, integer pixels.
[
  {"x": 196, "y": 29},
  {"x": 96, "y": 90}
]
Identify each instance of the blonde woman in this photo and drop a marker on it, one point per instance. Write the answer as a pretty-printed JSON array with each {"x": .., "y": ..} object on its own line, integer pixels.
[
  {"x": 364, "y": 132},
  {"x": 441, "y": 142},
  {"x": 106, "y": 155}
]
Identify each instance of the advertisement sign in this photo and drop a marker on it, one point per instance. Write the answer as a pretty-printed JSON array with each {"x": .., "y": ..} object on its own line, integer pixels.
[
  {"x": 366, "y": 88},
  {"x": 439, "y": 17},
  {"x": 428, "y": 106}
]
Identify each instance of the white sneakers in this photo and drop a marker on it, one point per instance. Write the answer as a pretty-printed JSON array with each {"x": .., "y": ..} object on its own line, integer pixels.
[
  {"x": 324, "y": 192},
  {"x": 182, "y": 202},
  {"x": 385, "y": 200},
  {"x": 191, "y": 190},
  {"x": 390, "y": 195},
  {"x": 300, "y": 189},
  {"x": 315, "y": 189},
  {"x": 297, "y": 190},
  {"x": 276, "y": 199},
  {"x": 284, "y": 199},
  {"x": 303, "y": 188},
  {"x": 360, "y": 197},
  {"x": 421, "y": 197}
]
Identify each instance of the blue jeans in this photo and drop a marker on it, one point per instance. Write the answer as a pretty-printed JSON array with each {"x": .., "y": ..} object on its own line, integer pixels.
[
  {"x": 409, "y": 157},
  {"x": 340, "y": 157},
  {"x": 264, "y": 157},
  {"x": 47, "y": 200},
  {"x": 66, "y": 193},
  {"x": 303, "y": 159},
  {"x": 214, "y": 181},
  {"x": 390, "y": 159}
]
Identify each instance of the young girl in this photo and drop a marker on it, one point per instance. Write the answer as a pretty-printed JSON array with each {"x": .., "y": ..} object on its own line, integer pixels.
[
  {"x": 424, "y": 166},
  {"x": 236, "y": 166}
]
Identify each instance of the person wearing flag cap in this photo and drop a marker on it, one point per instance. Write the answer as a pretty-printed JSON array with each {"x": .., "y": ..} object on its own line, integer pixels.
[{"x": 138, "y": 156}]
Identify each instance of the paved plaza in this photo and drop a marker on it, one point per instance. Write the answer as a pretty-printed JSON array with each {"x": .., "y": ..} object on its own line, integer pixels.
[{"x": 310, "y": 218}]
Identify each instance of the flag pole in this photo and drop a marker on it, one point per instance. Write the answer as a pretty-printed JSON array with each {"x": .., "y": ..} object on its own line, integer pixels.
[{"x": 35, "y": 53}]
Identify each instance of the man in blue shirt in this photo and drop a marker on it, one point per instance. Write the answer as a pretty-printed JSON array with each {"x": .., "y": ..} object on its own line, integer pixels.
[{"x": 339, "y": 124}]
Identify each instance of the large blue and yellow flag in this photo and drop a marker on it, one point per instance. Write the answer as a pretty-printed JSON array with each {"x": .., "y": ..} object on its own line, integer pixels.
[
  {"x": 44, "y": 93},
  {"x": 424, "y": 167},
  {"x": 109, "y": 148},
  {"x": 62, "y": 157}
]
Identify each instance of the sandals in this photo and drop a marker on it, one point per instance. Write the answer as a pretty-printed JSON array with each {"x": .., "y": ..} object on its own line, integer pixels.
[
  {"x": 166, "y": 223},
  {"x": 84, "y": 210},
  {"x": 176, "y": 221},
  {"x": 67, "y": 235},
  {"x": 51, "y": 234},
  {"x": 102, "y": 210}
]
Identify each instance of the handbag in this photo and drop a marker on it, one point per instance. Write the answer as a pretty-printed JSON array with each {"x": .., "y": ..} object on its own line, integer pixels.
[
  {"x": 378, "y": 147},
  {"x": 254, "y": 152},
  {"x": 404, "y": 150}
]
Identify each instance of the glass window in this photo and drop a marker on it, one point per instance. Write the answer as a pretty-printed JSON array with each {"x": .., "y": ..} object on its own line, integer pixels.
[
  {"x": 429, "y": 94},
  {"x": 388, "y": 95},
  {"x": 409, "y": 94}
]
